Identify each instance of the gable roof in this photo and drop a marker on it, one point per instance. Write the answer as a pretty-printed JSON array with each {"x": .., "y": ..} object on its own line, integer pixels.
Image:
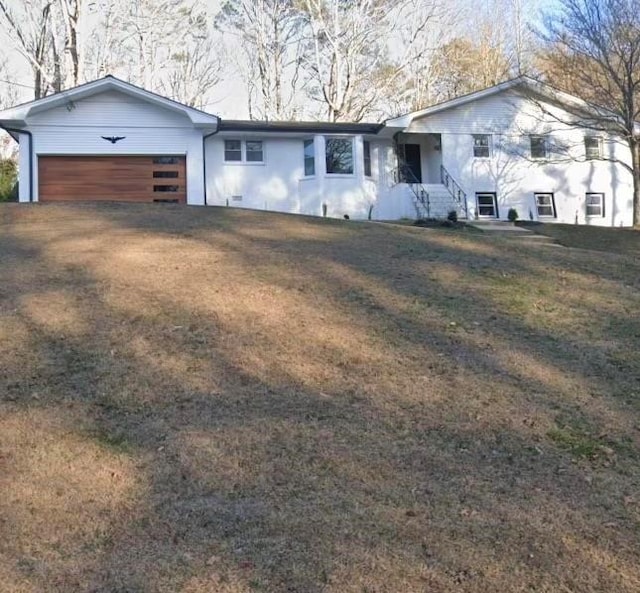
[
  {"x": 531, "y": 84},
  {"x": 307, "y": 127},
  {"x": 19, "y": 113}
]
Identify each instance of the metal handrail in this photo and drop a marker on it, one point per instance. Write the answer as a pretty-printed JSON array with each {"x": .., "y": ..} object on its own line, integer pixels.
[{"x": 457, "y": 193}]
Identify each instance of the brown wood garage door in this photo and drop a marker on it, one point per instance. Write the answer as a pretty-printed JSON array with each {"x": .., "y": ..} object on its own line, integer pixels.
[{"x": 112, "y": 178}]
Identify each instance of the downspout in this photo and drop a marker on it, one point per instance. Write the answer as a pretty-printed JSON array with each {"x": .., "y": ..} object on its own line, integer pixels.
[
  {"x": 18, "y": 131},
  {"x": 204, "y": 159}
]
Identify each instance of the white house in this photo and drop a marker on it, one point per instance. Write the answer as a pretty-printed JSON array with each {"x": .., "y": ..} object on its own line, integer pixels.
[{"x": 510, "y": 146}]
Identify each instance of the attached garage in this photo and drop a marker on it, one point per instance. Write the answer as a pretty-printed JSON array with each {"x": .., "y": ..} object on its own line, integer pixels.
[
  {"x": 109, "y": 140},
  {"x": 112, "y": 178}
]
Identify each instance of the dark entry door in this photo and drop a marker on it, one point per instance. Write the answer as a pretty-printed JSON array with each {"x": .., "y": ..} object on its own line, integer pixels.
[{"x": 410, "y": 163}]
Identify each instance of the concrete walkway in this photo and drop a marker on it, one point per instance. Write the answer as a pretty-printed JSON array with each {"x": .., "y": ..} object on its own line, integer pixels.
[{"x": 510, "y": 230}]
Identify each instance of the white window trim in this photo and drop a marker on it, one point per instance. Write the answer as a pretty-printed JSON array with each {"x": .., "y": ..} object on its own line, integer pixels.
[
  {"x": 243, "y": 153},
  {"x": 473, "y": 147},
  {"x": 553, "y": 205},
  {"x": 602, "y": 201},
  {"x": 353, "y": 157}
]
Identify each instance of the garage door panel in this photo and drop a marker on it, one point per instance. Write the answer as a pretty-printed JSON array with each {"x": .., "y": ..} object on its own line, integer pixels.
[{"x": 127, "y": 179}]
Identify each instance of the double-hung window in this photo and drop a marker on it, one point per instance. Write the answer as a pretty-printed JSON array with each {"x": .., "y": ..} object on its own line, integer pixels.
[
  {"x": 253, "y": 149},
  {"x": 482, "y": 146},
  {"x": 592, "y": 147},
  {"x": 232, "y": 151},
  {"x": 339, "y": 156}
]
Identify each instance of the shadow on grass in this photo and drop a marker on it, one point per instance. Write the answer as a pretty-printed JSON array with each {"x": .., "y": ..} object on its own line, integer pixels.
[{"x": 290, "y": 408}]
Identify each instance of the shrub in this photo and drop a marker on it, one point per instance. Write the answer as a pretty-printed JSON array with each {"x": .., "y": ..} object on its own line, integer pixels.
[
  {"x": 512, "y": 215},
  {"x": 8, "y": 179},
  {"x": 452, "y": 216}
]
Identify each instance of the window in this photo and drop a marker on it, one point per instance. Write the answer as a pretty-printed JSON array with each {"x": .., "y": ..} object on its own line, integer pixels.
[
  {"x": 595, "y": 204},
  {"x": 339, "y": 155},
  {"x": 487, "y": 206},
  {"x": 309, "y": 159},
  {"x": 165, "y": 174},
  {"x": 539, "y": 147},
  {"x": 166, "y": 188},
  {"x": 366, "y": 148},
  {"x": 166, "y": 160},
  {"x": 545, "y": 205},
  {"x": 592, "y": 147},
  {"x": 232, "y": 150},
  {"x": 254, "y": 151},
  {"x": 481, "y": 146}
]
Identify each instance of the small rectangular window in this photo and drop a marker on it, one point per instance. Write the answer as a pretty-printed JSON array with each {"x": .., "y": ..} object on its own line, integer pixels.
[
  {"x": 339, "y": 155},
  {"x": 254, "y": 151},
  {"x": 166, "y": 160},
  {"x": 545, "y": 205},
  {"x": 487, "y": 205},
  {"x": 309, "y": 158},
  {"x": 481, "y": 146},
  {"x": 366, "y": 148},
  {"x": 592, "y": 147},
  {"x": 166, "y": 188},
  {"x": 539, "y": 147},
  {"x": 595, "y": 204},
  {"x": 165, "y": 174},
  {"x": 232, "y": 150}
]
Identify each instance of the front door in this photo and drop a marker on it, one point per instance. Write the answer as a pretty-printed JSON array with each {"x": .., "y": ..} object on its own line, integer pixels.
[
  {"x": 410, "y": 163},
  {"x": 487, "y": 205}
]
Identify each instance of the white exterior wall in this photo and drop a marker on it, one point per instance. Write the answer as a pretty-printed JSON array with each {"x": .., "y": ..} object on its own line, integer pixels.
[
  {"x": 514, "y": 177},
  {"x": 279, "y": 182},
  {"x": 148, "y": 130}
]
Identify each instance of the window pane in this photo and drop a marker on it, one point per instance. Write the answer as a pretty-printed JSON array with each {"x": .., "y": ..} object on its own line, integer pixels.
[
  {"x": 309, "y": 158},
  {"x": 367, "y": 158},
  {"x": 592, "y": 147},
  {"x": 166, "y": 188},
  {"x": 339, "y": 154},
  {"x": 232, "y": 150},
  {"x": 481, "y": 146},
  {"x": 538, "y": 147},
  {"x": 165, "y": 174},
  {"x": 254, "y": 151},
  {"x": 166, "y": 160}
]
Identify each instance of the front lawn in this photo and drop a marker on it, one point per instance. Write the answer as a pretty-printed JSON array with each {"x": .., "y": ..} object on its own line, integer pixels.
[{"x": 215, "y": 400}]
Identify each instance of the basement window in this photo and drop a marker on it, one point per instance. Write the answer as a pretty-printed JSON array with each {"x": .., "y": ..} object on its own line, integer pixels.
[
  {"x": 594, "y": 204},
  {"x": 545, "y": 205}
]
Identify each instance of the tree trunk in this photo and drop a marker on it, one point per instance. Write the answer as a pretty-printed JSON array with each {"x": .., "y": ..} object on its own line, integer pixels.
[{"x": 634, "y": 145}]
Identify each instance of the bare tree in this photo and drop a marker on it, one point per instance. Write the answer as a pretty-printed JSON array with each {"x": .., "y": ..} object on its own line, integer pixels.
[
  {"x": 357, "y": 52},
  {"x": 269, "y": 31},
  {"x": 603, "y": 38}
]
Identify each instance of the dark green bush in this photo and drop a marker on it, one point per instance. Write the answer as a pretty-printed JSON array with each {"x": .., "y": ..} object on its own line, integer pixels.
[
  {"x": 452, "y": 216},
  {"x": 8, "y": 179},
  {"x": 512, "y": 215}
]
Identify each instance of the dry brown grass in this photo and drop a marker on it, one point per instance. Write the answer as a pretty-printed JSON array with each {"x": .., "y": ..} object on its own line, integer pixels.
[{"x": 227, "y": 401}]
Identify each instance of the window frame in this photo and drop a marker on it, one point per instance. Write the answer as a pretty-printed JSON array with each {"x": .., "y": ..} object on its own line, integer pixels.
[
  {"x": 243, "y": 151},
  {"x": 602, "y": 204},
  {"x": 598, "y": 140},
  {"x": 545, "y": 138},
  {"x": 366, "y": 158},
  {"x": 496, "y": 210},
  {"x": 246, "y": 152},
  {"x": 349, "y": 139},
  {"x": 312, "y": 158},
  {"x": 552, "y": 205},
  {"x": 489, "y": 145}
]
